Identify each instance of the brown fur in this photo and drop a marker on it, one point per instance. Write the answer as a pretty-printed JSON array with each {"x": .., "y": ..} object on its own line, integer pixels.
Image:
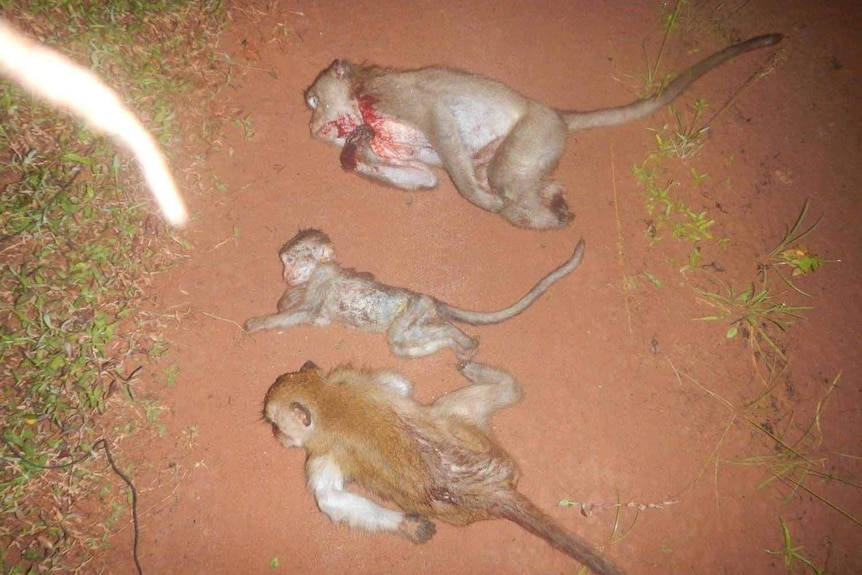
[{"x": 435, "y": 461}]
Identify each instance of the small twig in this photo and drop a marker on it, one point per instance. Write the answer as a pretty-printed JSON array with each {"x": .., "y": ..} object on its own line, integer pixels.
[
  {"x": 620, "y": 250},
  {"x": 222, "y": 319}
]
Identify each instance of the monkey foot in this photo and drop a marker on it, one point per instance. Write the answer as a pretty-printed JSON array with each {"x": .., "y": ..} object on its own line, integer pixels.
[
  {"x": 552, "y": 196},
  {"x": 466, "y": 352},
  {"x": 417, "y": 528}
]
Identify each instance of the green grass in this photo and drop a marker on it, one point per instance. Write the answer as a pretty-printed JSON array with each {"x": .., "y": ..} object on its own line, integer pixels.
[
  {"x": 792, "y": 555},
  {"x": 76, "y": 245},
  {"x": 791, "y": 255}
]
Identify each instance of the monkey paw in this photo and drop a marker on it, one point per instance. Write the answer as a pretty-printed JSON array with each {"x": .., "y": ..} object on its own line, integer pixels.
[
  {"x": 253, "y": 324},
  {"x": 467, "y": 351},
  {"x": 417, "y": 528},
  {"x": 553, "y": 198},
  {"x": 359, "y": 139}
]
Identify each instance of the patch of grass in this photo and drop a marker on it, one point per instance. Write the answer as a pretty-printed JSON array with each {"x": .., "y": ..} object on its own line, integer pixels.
[
  {"x": 791, "y": 255},
  {"x": 667, "y": 212},
  {"x": 77, "y": 249},
  {"x": 792, "y": 457},
  {"x": 750, "y": 313},
  {"x": 653, "y": 80},
  {"x": 686, "y": 138},
  {"x": 793, "y": 555}
]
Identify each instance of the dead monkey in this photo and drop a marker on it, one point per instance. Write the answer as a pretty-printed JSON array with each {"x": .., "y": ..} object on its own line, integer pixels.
[
  {"x": 497, "y": 146},
  {"x": 321, "y": 292},
  {"x": 431, "y": 461}
]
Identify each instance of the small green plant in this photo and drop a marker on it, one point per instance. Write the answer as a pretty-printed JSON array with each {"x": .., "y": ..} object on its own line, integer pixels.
[
  {"x": 750, "y": 312},
  {"x": 793, "y": 555},
  {"x": 790, "y": 254},
  {"x": 246, "y": 124},
  {"x": 654, "y": 82},
  {"x": 172, "y": 372},
  {"x": 686, "y": 138},
  {"x": 683, "y": 222}
]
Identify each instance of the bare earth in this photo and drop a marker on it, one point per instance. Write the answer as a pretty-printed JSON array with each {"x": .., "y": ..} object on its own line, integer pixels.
[{"x": 610, "y": 410}]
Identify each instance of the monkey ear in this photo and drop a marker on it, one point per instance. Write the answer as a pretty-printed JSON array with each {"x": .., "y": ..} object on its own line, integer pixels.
[
  {"x": 308, "y": 365},
  {"x": 342, "y": 69},
  {"x": 301, "y": 412},
  {"x": 323, "y": 253}
]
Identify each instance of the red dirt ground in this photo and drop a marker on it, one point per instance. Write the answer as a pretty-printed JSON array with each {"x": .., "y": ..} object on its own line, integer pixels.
[{"x": 604, "y": 415}]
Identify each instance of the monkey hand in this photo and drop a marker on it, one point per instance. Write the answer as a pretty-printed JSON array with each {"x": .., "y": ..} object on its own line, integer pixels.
[
  {"x": 465, "y": 353},
  {"x": 254, "y": 324},
  {"x": 359, "y": 139},
  {"x": 417, "y": 528}
]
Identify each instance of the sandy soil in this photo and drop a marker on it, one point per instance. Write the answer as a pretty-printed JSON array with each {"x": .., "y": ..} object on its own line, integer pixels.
[{"x": 610, "y": 408}]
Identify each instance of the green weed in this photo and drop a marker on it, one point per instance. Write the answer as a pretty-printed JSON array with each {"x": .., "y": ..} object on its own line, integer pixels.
[
  {"x": 653, "y": 81},
  {"x": 686, "y": 138},
  {"x": 667, "y": 212},
  {"x": 750, "y": 313},
  {"x": 791, "y": 255},
  {"x": 793, "y": 555}
]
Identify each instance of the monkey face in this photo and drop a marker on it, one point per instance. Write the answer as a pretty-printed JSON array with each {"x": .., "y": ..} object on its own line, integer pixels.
[
  {"x": 301, "y": 255},
  {"x": 334, "y": 109},
  {"x": 287, "y": 409}
]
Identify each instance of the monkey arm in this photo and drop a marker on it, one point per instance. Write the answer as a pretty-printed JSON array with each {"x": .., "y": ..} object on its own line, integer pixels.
[
  {"x": 359, "y": 156},
  {"x": 291, "y": 298},
  {"x": 282, "y": 319},
  {"x": 356, "y": 143},
  {"x": 341, "y": 506}
]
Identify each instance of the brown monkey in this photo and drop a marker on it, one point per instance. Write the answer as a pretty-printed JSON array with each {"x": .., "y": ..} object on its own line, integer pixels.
[
  {"x": 497, "y": 146},
  {"x": 321, "y": 292},
  {"x": 431, "y": 461},
  {"x": 56, "y": 78}
]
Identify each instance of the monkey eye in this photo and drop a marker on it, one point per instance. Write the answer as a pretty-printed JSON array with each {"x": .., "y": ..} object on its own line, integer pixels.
[
  {"x": 288, "y": 259},
  {"x": 312, "y": 102}
]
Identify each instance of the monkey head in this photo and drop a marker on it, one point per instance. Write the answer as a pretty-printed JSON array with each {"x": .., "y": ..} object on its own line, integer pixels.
[
  {"x": 334, "y": 108},
  {"x": 286, "y": 408},
  {"x": 303, "y": 253}
]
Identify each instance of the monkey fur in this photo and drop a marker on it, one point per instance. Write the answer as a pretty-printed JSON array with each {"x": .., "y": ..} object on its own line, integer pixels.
[
  {"x": 497, "y": 146},
  {"x": 431, "y": 461},
  {"x": 320, "y": 292}
]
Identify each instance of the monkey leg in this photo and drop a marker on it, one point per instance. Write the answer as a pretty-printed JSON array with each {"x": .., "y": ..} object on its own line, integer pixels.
[
  {"x": 403, "y": 175},
  {"x": 420, "y": 330},
  {"x": 458, "y": 163},
  {"x": 341, "y": 506},
  {"x": 395, "y": 380},
  {"x": 519, "y": 168},
  {"x": 282, "y": 319},
  {"x": 491, "y": 390}
]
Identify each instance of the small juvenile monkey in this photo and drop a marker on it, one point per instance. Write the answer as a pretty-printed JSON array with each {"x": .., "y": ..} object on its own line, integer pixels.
[
  {"x": 321, "y": 292},
  {"x": 431, "y": 461},
  {"x": 497, "y": 146},
  {"x": 64, "y": 83}
]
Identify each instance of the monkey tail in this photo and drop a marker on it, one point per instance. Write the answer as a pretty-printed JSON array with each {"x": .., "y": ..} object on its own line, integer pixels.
[
  {"x": 491, "y": 317},
  {"x": 521, "y": 510},
  {"x": 622, "y": 114}
]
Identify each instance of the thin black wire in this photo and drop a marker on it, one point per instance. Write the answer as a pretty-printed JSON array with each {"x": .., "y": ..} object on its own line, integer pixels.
[{"x": 104, "y": 444}]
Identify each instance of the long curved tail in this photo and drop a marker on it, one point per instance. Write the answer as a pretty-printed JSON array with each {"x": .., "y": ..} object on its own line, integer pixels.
[
  {"x": 622, "y": 114},
  {"x": 487, "y": 318},
  {"x": 521, "y": 510}
]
